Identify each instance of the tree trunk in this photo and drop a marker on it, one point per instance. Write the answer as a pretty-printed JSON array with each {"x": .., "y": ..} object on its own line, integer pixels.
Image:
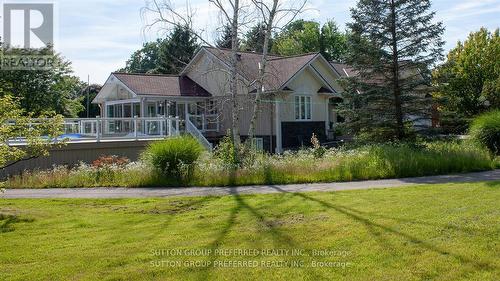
[
  {"x": 262, "y": 72},
  {"x": 400, "y": 131},
  {"x": 233, "y": 85}
]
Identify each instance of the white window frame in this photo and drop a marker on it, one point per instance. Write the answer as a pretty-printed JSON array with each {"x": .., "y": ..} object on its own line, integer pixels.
[
  {"x": 258, "y": 143},
  {"x": 302, "y": 107}
]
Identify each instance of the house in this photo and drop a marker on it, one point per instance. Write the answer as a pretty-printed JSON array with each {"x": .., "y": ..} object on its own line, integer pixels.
[{"x": 300, "y": 97}]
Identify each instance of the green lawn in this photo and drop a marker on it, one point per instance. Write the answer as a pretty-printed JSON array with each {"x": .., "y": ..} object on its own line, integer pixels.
[{"x": 434, "y": 232}]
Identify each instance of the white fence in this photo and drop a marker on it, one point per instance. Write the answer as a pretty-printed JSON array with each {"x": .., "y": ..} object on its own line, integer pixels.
[
  {"x": 99, "y": 129},
  {"x": 109, "y": 129}
]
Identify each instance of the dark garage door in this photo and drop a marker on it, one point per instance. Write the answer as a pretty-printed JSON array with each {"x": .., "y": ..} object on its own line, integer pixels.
[{"x": 297, "y": 134}]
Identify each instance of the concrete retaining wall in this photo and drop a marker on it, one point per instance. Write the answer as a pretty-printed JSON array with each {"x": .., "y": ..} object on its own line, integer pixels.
[{"x": 74, "y": 153}]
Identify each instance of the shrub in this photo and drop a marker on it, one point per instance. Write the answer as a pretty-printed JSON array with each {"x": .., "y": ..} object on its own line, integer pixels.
[
  {"x": 225, "y": 151},
  {"x": 111, "y": 160},
  {"x": 318, "y": 150},
  {"x": 233, "y": 158},
  {"x": 174, "y": 156},
  {"x": 485, "y": 130}
]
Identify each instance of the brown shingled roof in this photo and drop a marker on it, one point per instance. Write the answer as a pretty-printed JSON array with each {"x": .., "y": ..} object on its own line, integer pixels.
[
  {"x": 280, "y": 69},
  {"x": 161, "y": 85},
  {"x": 343, "y": 69}
]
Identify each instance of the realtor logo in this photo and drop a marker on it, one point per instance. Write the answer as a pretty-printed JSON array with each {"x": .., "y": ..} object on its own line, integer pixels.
[
  {"x": 28, "y": 26},
  {"x": 28, "y": 36}
]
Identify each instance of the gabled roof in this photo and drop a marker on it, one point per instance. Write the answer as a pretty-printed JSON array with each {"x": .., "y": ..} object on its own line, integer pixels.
[
  {"x": 161, "y": 85},
  {"x": 279, "y": 69}
]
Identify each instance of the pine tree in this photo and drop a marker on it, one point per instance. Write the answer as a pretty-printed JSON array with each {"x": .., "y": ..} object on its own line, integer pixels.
[
  {"x": 254, "y": 38},
  {"x": 176, "y": 51},
  {"x": 393, "y": 45},
  {"x": 225, "y": 39}
]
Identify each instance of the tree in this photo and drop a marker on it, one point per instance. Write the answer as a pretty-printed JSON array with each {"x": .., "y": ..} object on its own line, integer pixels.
[
  {"x": 15, "y": 123},
  {"x": 271, "y": 14},
  {"x": 469, "y": 81},
  {"x": 333, "y": 42},
  {"x": 298, "y": 37},
  {"x": 144, "y": 60},
  {"x": 393, "y": 46},
  {"x": 177, "y": 50},
  {"x": 307, "y": 37},
  {"x": 164, "y": 56},
  {"x": 255, "y": 37},
  {"x": 86, "y": 95},
  {"x": 225, "y": 38},
  {"x": 53, "y": 89}
]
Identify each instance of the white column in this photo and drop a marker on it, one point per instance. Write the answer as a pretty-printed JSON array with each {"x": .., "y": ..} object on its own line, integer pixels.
[
  {"x": 143, "y": 115},
  {"x": 327, "y": 125},
  {"x": 143, "y": 108},
  {"x": 104, "y": 110},
  {"x": 279, "y": 145}
]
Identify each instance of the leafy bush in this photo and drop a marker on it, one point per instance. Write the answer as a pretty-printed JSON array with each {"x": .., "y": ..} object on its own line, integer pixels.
[
  {"x": 174, "y": 156},
  {"x": 485, "y": 130},
  {"x": 318, "y": 150},
  {"x": 225, "y": 152}
]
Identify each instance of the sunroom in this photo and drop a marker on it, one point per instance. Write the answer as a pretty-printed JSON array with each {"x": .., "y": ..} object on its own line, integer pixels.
[{"x": 126, "y": 98}]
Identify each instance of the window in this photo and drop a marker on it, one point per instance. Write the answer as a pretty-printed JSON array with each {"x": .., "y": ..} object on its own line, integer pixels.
[
  {"x": 212, "y": 107},
  {"x": 127, "y": 110},
  {"x": 137, "y": 109},
  {"x": 258, "y": 143},
  {"x": 172, "y": 108},
  {"x": 111, "y": 111},
  {"x": 303, "y": 108},
  {"x": 151, "y": 109}
]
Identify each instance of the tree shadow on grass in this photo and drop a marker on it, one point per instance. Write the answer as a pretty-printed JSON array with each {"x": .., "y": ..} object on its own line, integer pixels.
[
  {"x": 278, "y": 236},
  {"x": 417, "y": 222},
  {"x": 168, "y": 212},
  {"x": 7, "y": 222},
  {"x": 373, "y": 226},
  {"x": 495, "y": 184}
]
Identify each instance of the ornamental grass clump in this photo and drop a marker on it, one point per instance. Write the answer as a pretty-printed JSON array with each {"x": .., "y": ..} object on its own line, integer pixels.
[
  {"x": 485, "y": 130},
  {"x": 174, "y": 157}
]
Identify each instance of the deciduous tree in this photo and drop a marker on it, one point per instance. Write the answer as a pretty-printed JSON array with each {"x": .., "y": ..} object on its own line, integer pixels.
[
  {"x": 15, "y": 123},
  {"x": 469, "y": 80},
  {"x": 53, "y": 88}
]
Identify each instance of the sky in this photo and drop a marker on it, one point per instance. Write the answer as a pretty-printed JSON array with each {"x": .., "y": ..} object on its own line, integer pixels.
[{"x": 98, "y": 36}]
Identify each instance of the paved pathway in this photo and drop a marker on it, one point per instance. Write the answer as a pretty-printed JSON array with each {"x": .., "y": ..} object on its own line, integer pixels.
[{"x": 220, "y": 191}]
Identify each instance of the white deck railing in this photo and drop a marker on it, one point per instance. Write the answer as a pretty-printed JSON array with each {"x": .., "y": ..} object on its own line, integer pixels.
[
  {"x": 99, "y": 129},
  {"x": 191, "y": 129},
  {"x": 205, "y": 122}
]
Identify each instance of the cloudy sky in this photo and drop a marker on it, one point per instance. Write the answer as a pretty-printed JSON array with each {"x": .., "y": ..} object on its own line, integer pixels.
[{"x": 99, "y": 35}]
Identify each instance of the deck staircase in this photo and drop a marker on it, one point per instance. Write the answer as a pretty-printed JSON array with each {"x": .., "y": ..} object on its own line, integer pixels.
[{"x": 192, "y": 130}]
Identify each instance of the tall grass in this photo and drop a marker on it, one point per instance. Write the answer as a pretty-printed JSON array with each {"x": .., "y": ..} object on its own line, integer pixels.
[
  {"x": 367, "y": 162},
  {"x": 363, "y": 163}
]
